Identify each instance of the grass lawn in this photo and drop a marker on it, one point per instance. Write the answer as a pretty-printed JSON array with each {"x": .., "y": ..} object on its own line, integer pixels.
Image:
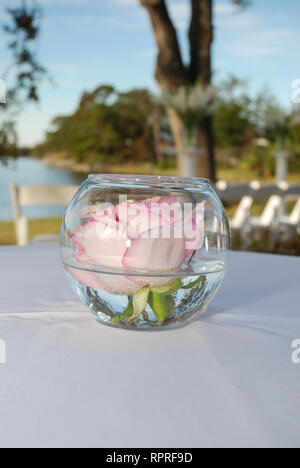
[
  {"x": 242, "y": 175},
  {"x": 143, "y": 169},
  {"x": 233, "y": 175},
  {"x": 36, "y": 226}
]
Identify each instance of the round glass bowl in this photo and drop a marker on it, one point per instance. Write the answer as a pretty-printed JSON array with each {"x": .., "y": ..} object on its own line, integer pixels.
[{"x": 143, "y": 251}]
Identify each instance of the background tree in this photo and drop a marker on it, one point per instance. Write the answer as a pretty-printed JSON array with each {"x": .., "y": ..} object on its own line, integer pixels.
[
  {"x": 233, "y": 122},
  {"x": 172, "y": 73},
  {"x": 24, "y": 74},
  {"x": 107, "y": 127}
]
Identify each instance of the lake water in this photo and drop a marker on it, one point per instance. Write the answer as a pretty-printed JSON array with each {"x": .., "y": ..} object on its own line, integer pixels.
[{"x": 24, "y": 171}]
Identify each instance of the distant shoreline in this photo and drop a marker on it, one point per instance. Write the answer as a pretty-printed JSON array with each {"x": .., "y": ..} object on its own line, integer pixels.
[
  {"x": 59, "y": 162},
  {"x": 66, "y": 164},
  {"x": 230, "y": 174}
]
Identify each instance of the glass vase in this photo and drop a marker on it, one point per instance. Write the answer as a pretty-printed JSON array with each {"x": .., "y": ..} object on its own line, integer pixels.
[{"x": 145, "y": 252}]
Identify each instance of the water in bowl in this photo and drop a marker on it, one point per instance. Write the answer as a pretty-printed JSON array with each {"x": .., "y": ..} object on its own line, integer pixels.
[{"x": 190, "y": 296}]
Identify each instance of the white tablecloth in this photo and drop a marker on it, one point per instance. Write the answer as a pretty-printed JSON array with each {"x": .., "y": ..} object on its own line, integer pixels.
[{"x": 227, "y": 379}]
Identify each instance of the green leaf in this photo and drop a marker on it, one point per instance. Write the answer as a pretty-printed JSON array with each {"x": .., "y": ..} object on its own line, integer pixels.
[
  {"x": 140, "y": 300},
  {"x": 171, "y": 306},
  {"x": 127, "y": 313},
  {"x": 159, "y": 305},
  {"x": 168, "y": 289},
  {"x": 194, "y": 283}
]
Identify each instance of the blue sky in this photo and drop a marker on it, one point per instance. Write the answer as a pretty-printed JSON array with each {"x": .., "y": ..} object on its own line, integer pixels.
[{"x": 88, "y": 42}]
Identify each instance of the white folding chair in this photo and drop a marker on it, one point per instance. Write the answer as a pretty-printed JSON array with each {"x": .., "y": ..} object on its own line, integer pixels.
[
  {"x": 269, "y": 217},
  {"x": 242, "y": 213},
  {"x": 269, "y": 220},
  {"x": 239, "y": 224},
  {"x": 34, "y": 195},
  {"x": 290, "y": 224}
]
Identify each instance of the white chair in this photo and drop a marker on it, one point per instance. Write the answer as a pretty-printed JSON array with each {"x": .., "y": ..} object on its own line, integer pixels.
[
  {"x": 239, "y": 224},
  {"x": 242, "y": 213},
  {"x": 34, "y": 195},
  {"x": 290, "y": 224},
  {"x": 269, "y": 220}
]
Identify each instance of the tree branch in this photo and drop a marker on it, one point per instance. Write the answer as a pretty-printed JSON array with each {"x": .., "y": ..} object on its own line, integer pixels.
[
  {"x": 201, "y": 38},
  {"x": 242, "y": 3},
  {"x": 170, "y": 70}
]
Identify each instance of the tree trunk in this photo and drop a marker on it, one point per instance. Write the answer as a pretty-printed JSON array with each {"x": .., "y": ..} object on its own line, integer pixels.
[
  {"x": 205, "y": 140},
  {"x": 171, "y": 73},
  {"x": 177, "y": 130},
  {"x": 201, "y": 38}
]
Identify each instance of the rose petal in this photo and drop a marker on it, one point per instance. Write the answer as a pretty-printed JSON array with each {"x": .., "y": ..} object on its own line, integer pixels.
[
  {"x": 99, "y": 243},
  {"x": 155, "y": 252},
  {"x": 140, "y": 216},
  {"x": 165, "y": 248},
  {"x": 114, "y": 284},
  {"x": 103, "y": 241}
]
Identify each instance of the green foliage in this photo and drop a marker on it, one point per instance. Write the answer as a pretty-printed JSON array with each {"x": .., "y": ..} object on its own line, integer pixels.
[
  {"x": 116, "y": 128},
  {"x": 8, "y": 139},
  {"x": 24, "y": 30},
  {"x": 241, "y": 3},
  {"x": 169, "y": 163},
  {"x": 24, "y": 73},
  {"x": 294, "y": 140},
  {"x": 294, "y": 162},
  {"x": 36, "y": 227},
  {"x": 260, "y": 160},
  {"x": 231, "y": 120},
  {"x": 107, "y": 127},
  {"x": 230, "y": 126},
  {"x": 240, "y": 118}
]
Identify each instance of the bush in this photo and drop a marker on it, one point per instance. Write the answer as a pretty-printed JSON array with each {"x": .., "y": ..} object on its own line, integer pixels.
[
  {"x": 261, "y": 160},
  {"x": 168, "y": 163}
]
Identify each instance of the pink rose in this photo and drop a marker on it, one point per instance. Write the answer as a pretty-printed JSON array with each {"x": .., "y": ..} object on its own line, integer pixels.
[{"x": 152, "y": 235}]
